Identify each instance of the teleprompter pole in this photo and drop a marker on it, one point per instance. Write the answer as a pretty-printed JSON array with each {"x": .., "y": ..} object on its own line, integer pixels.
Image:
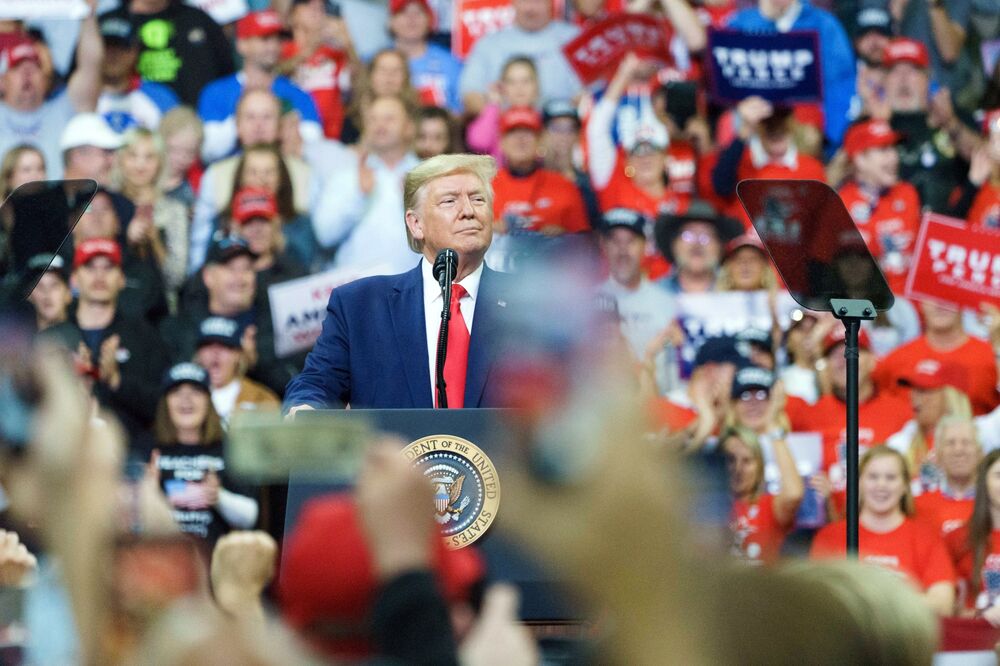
[{"x": 851, "y": 312}]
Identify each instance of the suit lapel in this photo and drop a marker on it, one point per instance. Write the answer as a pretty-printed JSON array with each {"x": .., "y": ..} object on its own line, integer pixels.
[
  {"x": 482, "y": 340},
  {"x": 406, "y": 308}
]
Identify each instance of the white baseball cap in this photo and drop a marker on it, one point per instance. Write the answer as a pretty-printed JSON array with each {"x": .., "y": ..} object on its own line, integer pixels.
[{"x": 89, "y": 129}]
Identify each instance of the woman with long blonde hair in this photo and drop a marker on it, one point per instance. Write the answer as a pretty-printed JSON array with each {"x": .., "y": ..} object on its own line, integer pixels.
[
  {"x": 160, "y": 222},
  {"x": 759, "y": 521}
]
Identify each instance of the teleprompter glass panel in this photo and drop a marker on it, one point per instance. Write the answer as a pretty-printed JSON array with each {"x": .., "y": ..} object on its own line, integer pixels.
[
  {"x": 813, "y": 242},
  {"x": 37, "y": 220}
]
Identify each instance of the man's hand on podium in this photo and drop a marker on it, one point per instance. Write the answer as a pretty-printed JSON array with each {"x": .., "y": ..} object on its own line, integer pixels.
[{"x": 298, "y": 408}]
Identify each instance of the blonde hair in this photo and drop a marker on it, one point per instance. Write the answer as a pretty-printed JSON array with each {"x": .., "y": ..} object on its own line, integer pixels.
[
  {"x": 957, "y": 407},
  {"x": 483, "y": 167},
  {"x": 177, "y": 120},
  {"x": 956, "y": 419},
  {"x": 882, "y": 451},
  {"x": 9, "y": 163},
  {"x": 131, "y": 138},
  {"x": 752, "y": 442},
  {"x": 883, "y": 622},
  {"x": 725, "y": 281}
]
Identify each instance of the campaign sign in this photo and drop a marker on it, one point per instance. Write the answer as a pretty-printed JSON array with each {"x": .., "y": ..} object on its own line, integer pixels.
[
  {"x": 783, "y": 67},
  {"x": 717, "y": 314},
  {"x": 596, "y": 52},
  {"x": 298, "y": 307},
  {"x": 475, "y": 19},
  {"x": 39, "y": 9},
  {"x": 955, "y": 263}
]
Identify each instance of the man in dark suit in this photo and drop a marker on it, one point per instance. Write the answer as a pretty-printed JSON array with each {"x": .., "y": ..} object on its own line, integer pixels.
[{"x": 379, "y": 341}]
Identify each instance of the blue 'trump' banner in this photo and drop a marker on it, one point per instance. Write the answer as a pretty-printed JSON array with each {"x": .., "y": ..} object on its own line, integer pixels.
[{"x": 780, "y": 67}]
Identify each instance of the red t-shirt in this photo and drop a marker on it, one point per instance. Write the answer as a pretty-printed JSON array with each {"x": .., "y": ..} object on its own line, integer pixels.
[
  {"x": 757, "y": 534},
  {"x": 985, "y": 211},
  {"x": 974, "y": 357},
  {"x": 943, "y": 512},
  {"x": 889, "y": 223},
  {"x": 670, "y": 415},
  {"x": 543, "y": 199},
  {"x": 971, "y": 592},
  {"x": 913, "y": 549},
  {"x": 682, "y": 168},
  {"x": 326, "y": 76},
  {"x": 879, "y": 417},
  {"x": 621, "y": 192},
  {"x": 806, "y": 168}
]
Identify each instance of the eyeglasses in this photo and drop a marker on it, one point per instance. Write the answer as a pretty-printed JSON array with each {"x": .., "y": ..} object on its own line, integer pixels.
[
  {"x": 758, "y": 396},
  {"x": 699, "y": 237}
]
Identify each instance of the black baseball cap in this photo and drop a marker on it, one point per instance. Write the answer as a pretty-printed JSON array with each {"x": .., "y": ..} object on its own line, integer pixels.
[
  {"x": 559, "y": 108},
  {"x": 627, "y": 218},
  {"x": 722, "y": 349},
  {"x": 223, "y": 330},
  {"x": 118, "y": 31},
  {"x": 43, "y": 263},
  {"x": 226, "y": 249},
  {"x": 873, "y": 18},
  {"x": 751, "y": 377},
  {"x": 185, "y": 373},
  {"x": 756, "y": 336}
]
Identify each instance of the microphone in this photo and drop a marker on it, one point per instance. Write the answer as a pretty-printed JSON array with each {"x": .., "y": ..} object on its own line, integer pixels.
[
  {"x": 445, "y": 266},
  {"x": 445, "y": 270}
]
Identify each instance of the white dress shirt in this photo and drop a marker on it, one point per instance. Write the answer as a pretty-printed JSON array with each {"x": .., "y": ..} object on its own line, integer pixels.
[{"x": 432, "y": 310}]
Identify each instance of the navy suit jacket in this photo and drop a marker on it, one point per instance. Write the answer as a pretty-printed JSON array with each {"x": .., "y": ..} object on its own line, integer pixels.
[{"x": 372, "y": 352}]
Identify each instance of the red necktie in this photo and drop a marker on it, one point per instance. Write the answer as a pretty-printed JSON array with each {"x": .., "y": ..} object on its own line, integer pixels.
[{"x": 458, "y": 351}]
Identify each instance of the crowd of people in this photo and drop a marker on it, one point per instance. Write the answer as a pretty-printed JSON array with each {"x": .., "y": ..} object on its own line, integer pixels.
[{"x": 231, "y": 158}]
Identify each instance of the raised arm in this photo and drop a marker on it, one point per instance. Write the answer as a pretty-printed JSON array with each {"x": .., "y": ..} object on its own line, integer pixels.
[
  {"x": 686, "y": 23},
  {"x": 786, "y": 502},
  {"x": 602, "y": 153},
  {"x": 84, "y": 85}
]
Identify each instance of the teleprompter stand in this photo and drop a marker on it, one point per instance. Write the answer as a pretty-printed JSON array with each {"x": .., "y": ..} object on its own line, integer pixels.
[
  {"x": 827, "y": 267},
  {"x": 851, "y": 312}
]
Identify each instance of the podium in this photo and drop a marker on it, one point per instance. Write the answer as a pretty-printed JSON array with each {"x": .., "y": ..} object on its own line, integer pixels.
[{"x": 542, "y": 597}]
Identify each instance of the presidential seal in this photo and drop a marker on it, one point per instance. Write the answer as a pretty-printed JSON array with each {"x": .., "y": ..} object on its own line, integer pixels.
[{"x": 466, "y": 485}]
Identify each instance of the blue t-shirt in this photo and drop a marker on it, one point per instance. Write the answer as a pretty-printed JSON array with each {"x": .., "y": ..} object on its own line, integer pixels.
[
  {"x": 836, "y": 59},
  {"x": 438, "y": 70}
]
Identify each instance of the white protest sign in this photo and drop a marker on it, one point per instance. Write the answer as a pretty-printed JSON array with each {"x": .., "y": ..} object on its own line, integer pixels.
[
  {"x": 703, "y": 316},
  {"x": 298, "y": 307},
  {"x": 71, "y": 10}
]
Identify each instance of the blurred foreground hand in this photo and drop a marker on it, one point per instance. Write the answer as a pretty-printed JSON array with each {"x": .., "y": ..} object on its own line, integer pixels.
[{"x": 243, "y": 563}]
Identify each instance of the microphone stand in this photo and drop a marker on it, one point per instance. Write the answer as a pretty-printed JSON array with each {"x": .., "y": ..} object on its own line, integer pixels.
[{"x": 445, "y": 276}]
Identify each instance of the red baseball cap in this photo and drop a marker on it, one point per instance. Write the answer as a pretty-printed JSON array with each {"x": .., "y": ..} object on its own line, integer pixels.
[
  {"x": 991, "y": 121},
  {"x": 251, "y": 202},
  {"x": 744, "y": 240},
  {"x": 902, "y": 49},
  {"x": 930, "y": 373},
  {"x": 259, "y": 24},
  {"x": 97, "y": 247},
  {"x": 869, "y": 134},
  {"x": 520, "y": 117},
  {"x": 396, "y": 6},
  {"x": 21, "y": 52},
  {"x": 328, "y": 583},
  {"x": 837, "y": 336}
]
